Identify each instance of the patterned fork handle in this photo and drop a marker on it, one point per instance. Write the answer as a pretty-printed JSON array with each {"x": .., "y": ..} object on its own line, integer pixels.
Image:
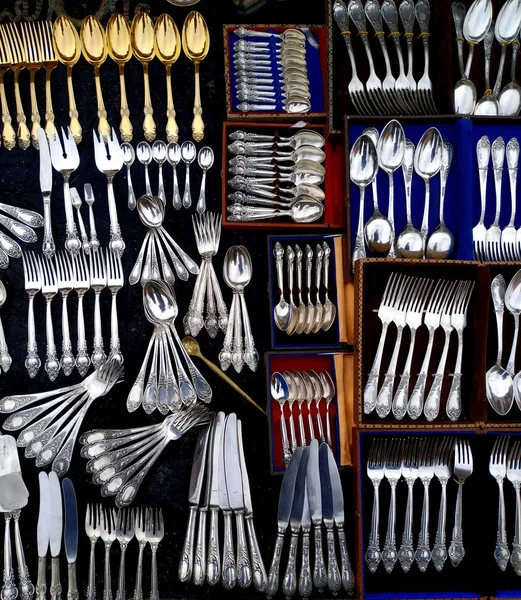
[
  {"x": 372, "y": 554},
  {"x": 23, "y": 133},
  {"x": 389, "y": 553},
  {"x": 67, "y": 358},
  {"x": 32, "y": 361},
  {"x": 9, "y": 590},
  {"x": 432, "y": 404},
  {"x": 8, "y": 132},
  {"x": 501, "y": 551},
  {"x": 406, "y": 553},
  {"x": 439, "y": 552},
  {"x": 423, "y": 553},
  {"x": 385, "y": 395},
  {"x": 422, "y": 10},
  {"x": 52, "y": 365},
  {"x": 371, "y": 387},
  {"x": 454, "y": 398},
  {"x": 515, "y": 557},
  {"x": 456, "y": 548}
]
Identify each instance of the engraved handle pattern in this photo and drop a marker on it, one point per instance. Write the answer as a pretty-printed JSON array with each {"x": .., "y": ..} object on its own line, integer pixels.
[
  {"x": 91, "y": 590},
  {"x": 273, "y": 578},
  {"x": 257, "y": 564},
  {"x": 333, "y": 573},
  {"x": 515, "y": 557},
  {"x": 348, "y": 575},
  {"x": 243, "y": 559},
  {"x": 9, "y": 591},
  {"x": 384, "y": 399},
  {"x": 406, "y": 553},
  {"x": 199, "y": 570},
  {"x": 456, "y": 548},
  {"x": 289, "y": 583},
  {"x": 41, "y": 582},
  {"x": 389, "y": 553},
  {"x": 439, "y": 552},
  {"x": 319, "y": 572},
  {"x": 213, "y": 560},
  {"x": 372, "y": 554},
  {"x": 56, "y": 586},
  {"x": 72, "y": 588},
  {"x": 305, "y": 583},
  {"x": 501, "y": 551},
  {"x": 229, "y": 571},
  {"x": 371, "y": 387},
  {"x": 423, "y": 553},
  {"x": 26, "y": 588},
  {"x": 187, "y": 554}
]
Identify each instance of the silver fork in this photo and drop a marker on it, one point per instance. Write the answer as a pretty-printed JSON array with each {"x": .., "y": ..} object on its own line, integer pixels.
[
  {"x": 33, "y": 284},
  {"x": 407, "y": 16},
  {"x": 443, "y": 472},
  {"x": 124, "y": 533},
  {"x": 109, "y": 167},
  {"x": 98, "y": 281},
  {"x": 81, "y": 284},
  {"x": 76, "y": 203},
  {"x": 458, "y": 321},
  {"x": 497, "y": 467},
  {"x": 140, "y": 531},
  {"x": 89, "y": 201},
  {"x": 493, "y": 236},
  {"x": 49, "y": 62},
  {"x": 66, "y": 159},
  {"x": 8, "y": 132},
  {"x": 410, "y": 474},
  {"x": 64, "y": 279},
  {"x": 510, "y": 247},
  {"x": 425, "y": 473},
  {"x": 155, "y": 531},
  {"x": 49, "y": 290},
  {"x": 463, "y": 467},
  {"x": 423, "y": 15},
  {"x": 108, "y": 535},
  {"x": 115, "y": 281},
  {"x": 93, "y": 531},
  {"x": 514, "y": 476},
  {"x": 479, "y": 232},
  {"x": 393, "y": 473},
  {"x": 33, "y": 65},
  {"x": 375, "y": 472},
  {"x": 413, "y": 319}
]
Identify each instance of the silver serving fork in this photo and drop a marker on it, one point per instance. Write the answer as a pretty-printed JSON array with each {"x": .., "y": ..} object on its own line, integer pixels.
[
  {"x": 124, "y": 533},
  {"x": 140, "y": 531},
  {"x": 514, "y": 476},
  {"x": 81, "y": 283},
  {"x": 423, "y": 15},
  {"x": 98, "y": 281},
  {"x": 463, "y": 467},
  {"x": 155, "y": 531},
  {"x": 49, "y": 290},
  {"x": 33, "y": 284},
  {"x": 458, "y": 321},
  {"x": 510, "y": 247},
  {"x": 93, "y": 531},
  {"x": 479, "y": 232},
  {"x": 66, "y": 159},
  {"x": 109, "y": 160},
  {"x": 493, "y": 236},
  {"x": 410, "y": 473},
  {"x": 375, "y": 472},
  {"x": 65, "y": 286},
  {"x": 443, "y": 472},
  {"x": 108, "y": 535},
  {"x": 393, "y": 473},
  {"x": 497, "y": 467},
  {"x": 425, "y": 473},
  {"x": 115, "y": 281}
]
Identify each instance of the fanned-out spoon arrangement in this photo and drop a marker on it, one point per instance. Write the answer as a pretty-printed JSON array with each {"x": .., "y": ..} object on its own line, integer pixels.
[
  {"x": 163, "y": 389},
  {"x": 158, "y": 247},
  {"x": 20, "y": 223}
]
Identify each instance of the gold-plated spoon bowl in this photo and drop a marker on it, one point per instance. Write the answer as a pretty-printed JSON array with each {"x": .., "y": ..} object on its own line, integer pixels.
[{"x": 142, "y": 37}]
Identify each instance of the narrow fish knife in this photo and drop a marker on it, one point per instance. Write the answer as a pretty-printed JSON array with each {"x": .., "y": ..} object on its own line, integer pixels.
[{"x": 70, "y": 537}]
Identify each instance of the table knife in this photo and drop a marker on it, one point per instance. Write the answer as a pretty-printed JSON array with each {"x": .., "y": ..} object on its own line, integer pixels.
[
  {"x": 289, "y": 583},
  {"x": 70, "y": 537},
  {"x": 315, "y": 507},
  {"x": 55, "y": 535},
  {"x": 234, "y": 487},
  {"x": 287, "y": 491},
  {"x": 229, "y": 568},
  {"x": 42, "y": 533},
  {"x": 48, "y": 247},
  {"x": 333, "y": 573},
  {"x": 305, "y": 583},
  {"x": 258, "y": 571},
  {"x": 194, "y": 495},
  {"x": 348, "y": 576}
]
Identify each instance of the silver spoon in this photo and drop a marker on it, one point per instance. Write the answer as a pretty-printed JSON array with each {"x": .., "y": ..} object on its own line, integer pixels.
[
  {"x": 129, "y": 156},
  {"x": 409, "y": 243},
  {"x": 173, "y": 156},
  {"x": 205, "y": 159},
  {"x": 188, "y": 154},
  {"x": 159, "y": 155},
  {"x": 280, "y": 393},
  {"x": 328, "y": 318},
  {"x": 305, "y": 210},
  {"x": 486, "y": 104},
  {"x": 513, "y": 304},
  {"x": 282, "y": 311},
  {"x": 144, "y": 155},
  {"x": 510, "y": 97},
  {"x": 5, "y": 359}
]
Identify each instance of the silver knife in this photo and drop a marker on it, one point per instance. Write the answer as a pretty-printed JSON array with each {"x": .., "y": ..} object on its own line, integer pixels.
[
  {"x": 233, "y": 473},
  {"x": 289, "y": 583},
  {"x": 194, "y": 495},
  {"x": 48, "y": 247},
  {"x": 287, "y": 491},
  {"x": 315, "y": 507},
  {"x": 305, "y": 583},
  {"x": 213, "y": 557},
  {"x": 257, "y": 564},
  {"x": 42, "y": 532},
  {"x": 333, "y": 573},
  {"x": 229, "y": 569},
  {"x": 348, "y": 576},
  {"x": 55, "y": 535},
  {"x": 70, "y": 537}
]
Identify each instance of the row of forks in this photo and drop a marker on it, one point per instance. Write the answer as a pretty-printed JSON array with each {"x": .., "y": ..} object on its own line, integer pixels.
[
  {"x": 63, "y": 274},
  {"x": 494, "y": 243},
  {"x": 145, "y": 524},
  {"x": 405, "y": 300},
  {"x": 388, "y": 95},
  {"x": 414, "y": 458}
]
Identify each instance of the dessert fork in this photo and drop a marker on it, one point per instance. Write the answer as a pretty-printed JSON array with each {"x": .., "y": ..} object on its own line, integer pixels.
[
  {"x": 140, "y": 531},
  {"x": 33, "y": 284},
  {"x": 443, "y": 471},
  {"x": 493, "y": 236},
  {"x": 154, "y": 533},
  {"x": 510, "y": 248},
  {"x": 393, "y": 473},
  {"x": 410, "y": 474},
  {"x": 463, "y": 467},
  {"x": 498, "y": 469},
  {"x": 108, "y": 535},
  {"x": 514, "y": 476},
  {"x": 423, "y": 14},
  {"x": 125, "y": 521},
  {"x": 375, "y": 472},
  {"x": 425, "y": 473},
  {"x": 81, "y": 283}
]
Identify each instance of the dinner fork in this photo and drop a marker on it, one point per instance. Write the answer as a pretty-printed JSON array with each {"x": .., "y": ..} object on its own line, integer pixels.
[
  {"x": 425, "y": 473},
  {"x": 109, "y": 160},
  {"x": 81, "y": 284},
  {"x": 115, "y": 281},
  {"x": 124, "y": 533},
  {"x": 514, "y": 476},
  {"x": 510, "y": 248},
  {"x": 423, "y": 15},
  {"x": 393, "y": 473},
  {"x": 33, "y": 284},
  {"x": 93, "y": 531},
  {"x": 410, "y": 474},
  {"x": 64, "y": 280},
  {"x": 375, "y": 472},
  {"x": 155, "y": 531},
  {"x": 49, "y": 62},
  {"x": 407, "y": 16},
  {"x": 98, "y": 281},
  {"x": 443, "y": 472},
  {"x": 8, "y": 132},
  {"x": 108, "y": 535},
  {"x": 33, "y": 65},
  {"x": 479, "y": 232},
  {"x": 49, "y": 290},
  {"x": 140, "y": 531},
  {"x": 463, "y": 467},
  {"x": 493, "y": 237},
  {"x": 497, "y": 467}
]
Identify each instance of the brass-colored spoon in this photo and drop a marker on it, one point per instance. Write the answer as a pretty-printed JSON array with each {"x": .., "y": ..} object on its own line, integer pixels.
[
  {"x": 192, "y": 347},
  {"x": 168, "y": 48},
  {"x": 196, "y": 43},
  {"x": 142, "y": 37},
  {"x": 120, "y": 50},
  {"x": 94, "y": 50}
]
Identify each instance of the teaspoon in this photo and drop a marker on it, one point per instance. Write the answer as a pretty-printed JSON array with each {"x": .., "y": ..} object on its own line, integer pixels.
[
  {"x": 144, "y": 155},
  {"x": 188, "y": 154},
  {"x": 510, "y": 97},
  {"x": 205, "y": 159},
  {"x": 173, "y": 156},
  {"x": 282, "y": 311},
  {"x": 129, "y": 156},
  {"x": 159, "y": 155}
]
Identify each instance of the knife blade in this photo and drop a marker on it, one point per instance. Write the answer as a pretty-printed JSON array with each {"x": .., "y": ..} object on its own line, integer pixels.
[
  {"x": 234, "y": 486},
  {"x": 333, "y": 573},
  {"x": 55, "y": 536},
  {"x": 229, "y": 570},
  {"x": 48, "y": 246},
  {"x": 348, "y": 577},
  {"x": 315, "y": 506},
  {"x": 289, "y": 583},
  {"x": 71, "y": 535},
  {"x": 305, "y": 584},
  {"x": 194, "y": 495},
  {"x": 257, "y": 564},
  {"x": 42, "y": 534},
  {"x": 287, "y": 491}
]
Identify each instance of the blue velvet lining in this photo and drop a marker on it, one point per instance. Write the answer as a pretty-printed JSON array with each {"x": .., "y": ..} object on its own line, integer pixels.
[{"x": 314, "y": 65}]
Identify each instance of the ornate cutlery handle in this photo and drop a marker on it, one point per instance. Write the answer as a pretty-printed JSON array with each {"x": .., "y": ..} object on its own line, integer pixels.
[
  {"x": 402, "y": 391},
  {"x": 197, "y": 123},
  {"x": 389, "y": 553},
  {"x": 251, "y": 356},
  {"x": 305, "y": 583},
  {"x": 172, "y": 130},
  {"x": 82, "y": 357},
  {"x": 103, "y": 124},
  {"x": 229, "y": 570},
  {"x": 333, "y": 573},
  {"x": 199, "y": 571},
  {"x": 116, "y": 244},
  {"x": 257, "y": 564},
  {"x": 221, "y": 305},
  {"x": 187, "y": 197},
  {"x": 121, "y": 593},
  {"x": 98, "y": 355},
  {"x": 26, "y": 588},
  {"x": 423, "y": 553},
  {"x": 149, "y": 125},
  {"x": 407, "y": 16},
  {"x": 488, "y": 42},
  {"x": 23, "y": 133},
  {"x": 154, "y": 587},
  {"x": 213, "y": 559},
  {"x": 8, "y": 132},
  {"x": 342, "y": 20},
  {"x": 35, "y": 115},
  {"x": 5, "y": 358},
  {"x": 56, "y": 586},
  {"x": 384, "y": 399},
  {"x": 243, "y": 559},
  {"x": 50, "y": 128},
  {"x": 115, "y": 347},
  {"x": 406, "y": 553},
  {"x": 72, "y": 586},
  {"x": 357, "y": 15},
  {"x": 161, "y": 184},
  {"x": 91, "y": 589},
  {"x": 52, "y": 365},
  {"x": 289, "y": 583},
  {"x": 125, "y": 125},
  {"x": 512, "y": 153},
  {"x": 273, "y": 577},
  {"x": 515, "y": 557},
  {"x": 415, "y": 405},
  {"x": 454, "y": 398},
  {"x": 456, "y": 549},
  {"x": 348, "y": 576},
  {"x": 21, "y": 231},
  {"x": 131, "y": 194},
  {"x": 319, "y": 572},
  {"x": 67, "y": 358},
  {"x": 359, "y": 250},
  {"x": 439, "y": 552},
  {"x": 423, "y": 15},
  {"x": 498, "y": 159},
  {"x": 107, "y": 587},
  {"x": 371, "y": 387},
  {"x": 501, "y": 551},
  {"x": 201, "y": 202},
  {"x": 73, "y": 111},
  {"x": 187, "y": 554},
  {"x": 138, "y": 590},
  {"x": 432, "y": 404},
  {"x": 9, "y": 591},
  {"x": 458, "y": 14},
  {"x": 41, "y": 581},
  {"x": 372, "y": 12},
  {"x": 372, "y": 554},
  {"x": 176, "y": 198}
]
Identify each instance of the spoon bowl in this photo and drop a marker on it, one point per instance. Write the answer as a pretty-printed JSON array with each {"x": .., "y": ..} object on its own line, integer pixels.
[
  {"x": 151, "y": 211},
  {"x": 173, "y": 153},
  {"x": 159, "y": 302},
  {"x": 237, "y": 268},
  {"x": 159, "y": 151},
  {"x": 118, "y": 39},
  {"x": 188, "y": 152},
  {"x": 93, "y": 45},
  {"x": 144, "y": 153},
  {"x": 205, "y": 158},
  {"x": 129, "y": 155}
]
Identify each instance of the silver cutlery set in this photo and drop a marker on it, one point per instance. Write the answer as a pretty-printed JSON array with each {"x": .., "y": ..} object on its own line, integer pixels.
[
  {"x": 266, "y": 187},
  {"x": 414, "y": 458},
  {"x": 311, "y": 494},
  {"x": 269, "y": 65},
  {"x": 303, "y": 388},
  {"x": 475, "y": 26},
  {"x": 311, "y": 316},
  {"x": 409, "y": 302},
  {"x": 495, "y": 243},
  {"x": 145, "y": 524},
  {"x": 64, "y": 274},
  {"x": 389, "y": 94},
  {"x": 219, "y": 463},
  {"x": 390, "y": 151},
  {"x": 173, "y": 154}
]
